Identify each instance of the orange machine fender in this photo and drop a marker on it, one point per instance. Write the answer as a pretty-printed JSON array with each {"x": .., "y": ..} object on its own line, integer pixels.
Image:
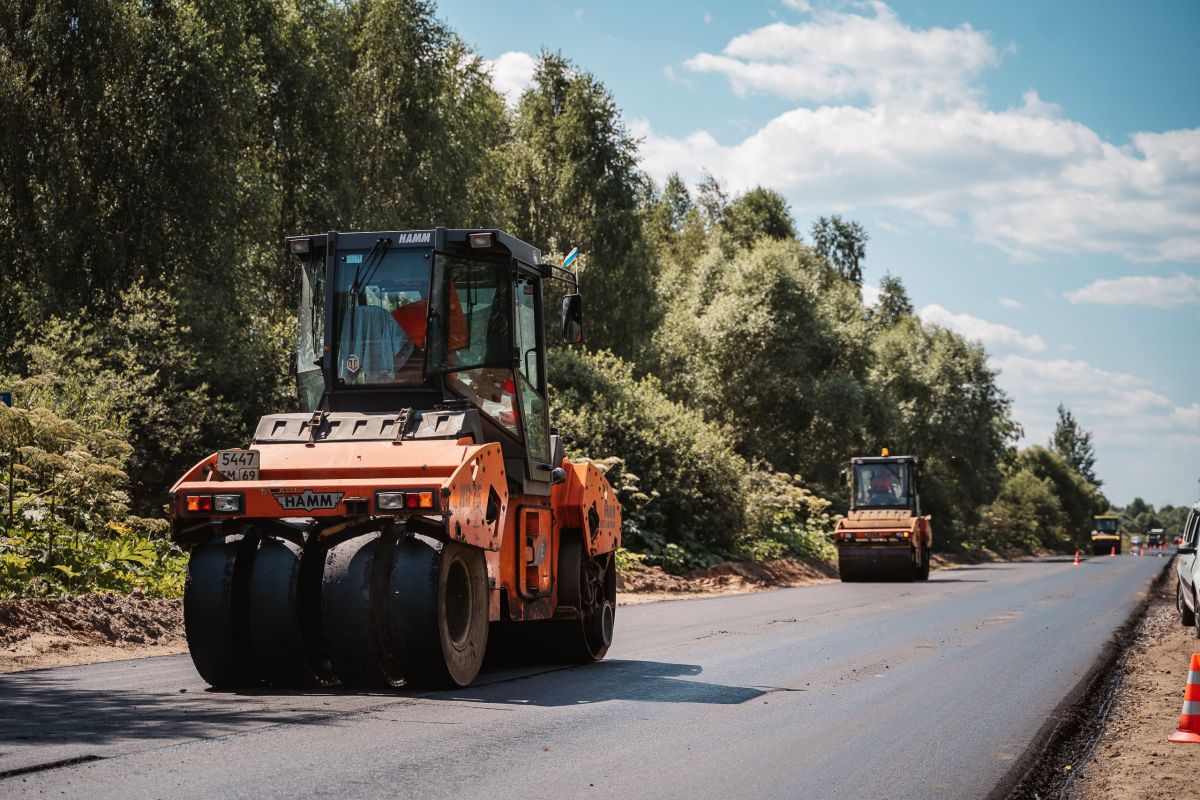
[
  {"x": 588, "y": 502},
  {"x": 476, "y": 498}
]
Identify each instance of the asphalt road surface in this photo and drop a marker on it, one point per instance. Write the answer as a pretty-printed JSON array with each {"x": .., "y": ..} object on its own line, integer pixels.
[{"x": 829, "y": 691}]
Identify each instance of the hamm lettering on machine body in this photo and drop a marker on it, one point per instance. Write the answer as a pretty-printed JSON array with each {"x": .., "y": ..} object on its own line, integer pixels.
[{"x": 308, "y": 500}]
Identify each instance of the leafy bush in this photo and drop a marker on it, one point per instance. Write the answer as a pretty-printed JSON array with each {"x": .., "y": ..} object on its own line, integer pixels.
[
  {"x": 785, "y": 519},
  {"x": 1026, "y": 515},
  {"x": 53, "y": 559},
  {"x": 65, "y": 513},
  {"x": 689, "y": 507}
]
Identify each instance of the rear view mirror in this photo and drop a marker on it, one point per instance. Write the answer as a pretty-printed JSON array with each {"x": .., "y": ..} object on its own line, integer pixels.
[{"x": 572, "y": 319}]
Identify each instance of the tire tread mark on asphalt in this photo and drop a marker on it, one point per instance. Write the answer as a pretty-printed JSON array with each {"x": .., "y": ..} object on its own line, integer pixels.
[{"x": 66, "y": 762}]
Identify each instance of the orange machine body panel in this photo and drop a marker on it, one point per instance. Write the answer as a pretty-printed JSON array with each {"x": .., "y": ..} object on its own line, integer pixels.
[{"x": 884, "y": 526}]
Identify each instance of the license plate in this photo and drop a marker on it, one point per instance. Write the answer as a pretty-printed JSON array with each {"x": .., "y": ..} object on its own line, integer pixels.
[{"x": 238, "y": 465}]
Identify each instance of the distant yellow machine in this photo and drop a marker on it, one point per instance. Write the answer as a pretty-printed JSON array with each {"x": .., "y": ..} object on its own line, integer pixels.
[{"x": 1106, "y": 534}]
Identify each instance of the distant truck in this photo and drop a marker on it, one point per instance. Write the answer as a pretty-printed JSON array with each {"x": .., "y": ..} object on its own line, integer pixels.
[
  {"x": 1157, "y": 537},
  {"x": 884, "y": 537},
  {"x": 1106, "y": 534}
]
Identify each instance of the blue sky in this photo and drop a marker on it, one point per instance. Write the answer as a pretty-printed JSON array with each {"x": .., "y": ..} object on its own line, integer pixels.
[{"x": 1030, "y": 170}]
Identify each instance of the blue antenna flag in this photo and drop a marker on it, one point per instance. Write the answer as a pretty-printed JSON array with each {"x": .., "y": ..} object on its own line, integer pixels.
[{"x": 571, "y": 256}]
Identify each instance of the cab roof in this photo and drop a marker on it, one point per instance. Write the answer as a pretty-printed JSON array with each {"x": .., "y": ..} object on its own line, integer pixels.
[
  {"x": 885, "y": 460},
  {"x": 440, "y": 239}
]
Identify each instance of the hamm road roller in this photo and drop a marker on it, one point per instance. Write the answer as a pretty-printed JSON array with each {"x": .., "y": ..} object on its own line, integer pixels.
[
  {"x": 884, "y": 537},
  {"x": 1106, "y": 535},
  {"x": 420, "y": 495}
]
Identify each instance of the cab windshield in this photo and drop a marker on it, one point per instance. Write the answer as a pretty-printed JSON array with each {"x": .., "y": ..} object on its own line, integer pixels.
[
  {"x": 1106, "y": 525},
  {"x": 381, "y": 303},
  {"x": 882, "y": 485}
]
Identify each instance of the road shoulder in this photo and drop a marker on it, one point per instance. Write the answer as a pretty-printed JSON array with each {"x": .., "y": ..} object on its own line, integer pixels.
[{"x": 1133, "y": 758}]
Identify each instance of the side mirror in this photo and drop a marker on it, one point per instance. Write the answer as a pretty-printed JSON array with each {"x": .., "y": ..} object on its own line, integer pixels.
[
  {"x": 1185, "y": 550},
  {"x": 572, "y": 319}
]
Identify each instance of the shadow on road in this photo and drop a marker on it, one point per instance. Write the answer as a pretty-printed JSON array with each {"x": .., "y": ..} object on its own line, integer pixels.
[
  {"x": 645, "y": 681},
  {"x": 40, "y": 709},
  {"x": 37, "y": 708}
]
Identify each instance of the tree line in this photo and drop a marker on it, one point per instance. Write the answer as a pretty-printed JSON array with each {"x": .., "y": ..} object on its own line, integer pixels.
[{"x": 154, "y": 154}]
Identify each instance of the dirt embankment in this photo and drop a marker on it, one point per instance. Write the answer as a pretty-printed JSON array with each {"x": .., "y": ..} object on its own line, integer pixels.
[
  {"x": 1133, "y": 759},
  {"x": 650, "y": 584},
  {"x": 61, "y": 631}
]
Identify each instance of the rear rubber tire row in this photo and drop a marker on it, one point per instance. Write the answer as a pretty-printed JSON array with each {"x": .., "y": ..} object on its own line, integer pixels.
[{"x": 392, "y": 610}]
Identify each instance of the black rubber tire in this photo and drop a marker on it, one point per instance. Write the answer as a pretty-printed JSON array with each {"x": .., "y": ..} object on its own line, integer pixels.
[
  {"x": 921, "y": 573},
  {"x": 276, "y": 630},
  {"x": 352, "y": 611},
  {"x": 215, "y": 600},
  {"x": 437, "y": 612},
  {"x": 1186, "y": 615},
  {"x": 590, "y": 586}
]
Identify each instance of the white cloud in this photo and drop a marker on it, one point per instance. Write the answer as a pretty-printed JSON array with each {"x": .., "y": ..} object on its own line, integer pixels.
[
  {"x": 1141, "y": 290},
  {"x": 708, "y": 18},
  {"x": 1188, "y": 416},
  {"x": 1059, "y": 375},
  {"x": 990, "y": 333},
  {"x": 896, "y": 119},
  {"x": 512, "y": 74},
  {"x": 1117, "y": 402},
  {"x": 840, "y": 55},
  {"x": 1008, "y": 302},
  {"x": 1094, "y": 395}
]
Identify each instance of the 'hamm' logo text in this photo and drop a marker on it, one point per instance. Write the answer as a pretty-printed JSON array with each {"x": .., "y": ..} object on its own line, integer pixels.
[
  {"x": 421, "y": 237},
  {"x": 308, "y": 500}
]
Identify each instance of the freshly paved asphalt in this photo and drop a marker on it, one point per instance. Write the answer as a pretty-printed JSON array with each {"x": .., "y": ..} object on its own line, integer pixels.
[{"x": 829, "y": 691}]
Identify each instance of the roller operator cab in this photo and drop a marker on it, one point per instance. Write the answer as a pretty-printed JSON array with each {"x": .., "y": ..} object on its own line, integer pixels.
[
  {"x": 420, "y": 497},
  {"x": 884, "y": 536}
]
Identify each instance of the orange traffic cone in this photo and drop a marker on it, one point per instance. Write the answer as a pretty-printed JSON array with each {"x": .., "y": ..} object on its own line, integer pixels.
[
  {"x": 1189, "y": 720},
  {"x": 1112, "y": 552},
  {"x": 1077, "y": 558}
]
